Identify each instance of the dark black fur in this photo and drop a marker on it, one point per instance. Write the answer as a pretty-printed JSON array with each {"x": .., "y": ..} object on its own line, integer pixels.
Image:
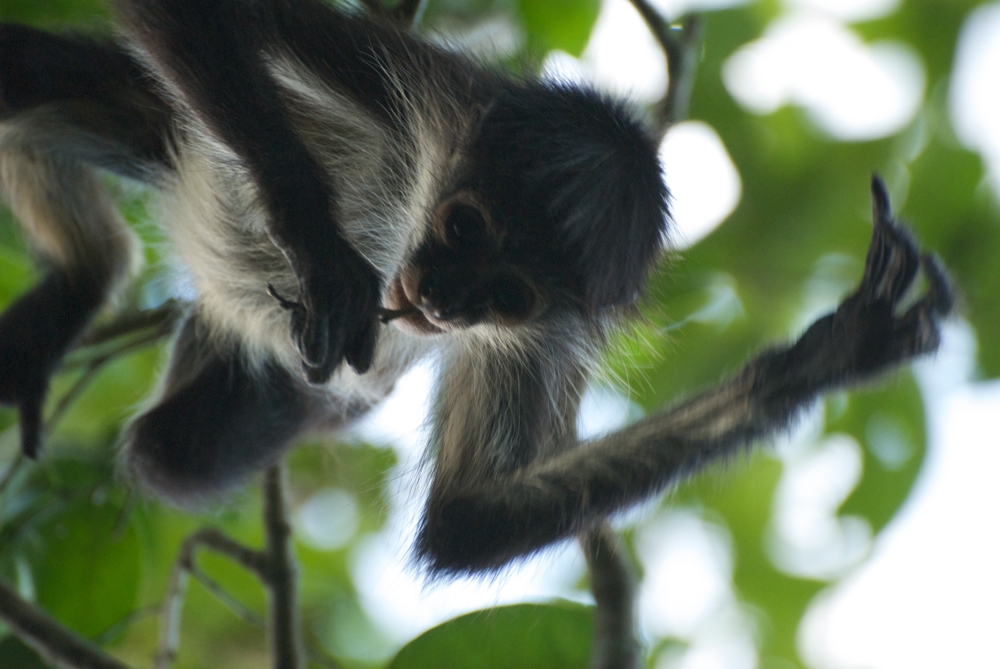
[
  {"x": 541, "y": 231},
  {"x": 482, "y": 524}
]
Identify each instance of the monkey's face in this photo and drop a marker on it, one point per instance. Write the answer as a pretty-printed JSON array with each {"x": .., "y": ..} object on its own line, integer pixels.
[{"x": 470, "y": 269}]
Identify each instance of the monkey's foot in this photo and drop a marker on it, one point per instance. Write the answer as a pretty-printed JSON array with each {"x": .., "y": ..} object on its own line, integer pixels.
[
  {"x": 35, "y": 333},
  {"x": 890, "y": 319}
]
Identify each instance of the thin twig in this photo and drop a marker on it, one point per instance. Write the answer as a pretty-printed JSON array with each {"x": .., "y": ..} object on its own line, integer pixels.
[
  {"x": 93, "y": 367},
  {"x": 236, "y": 606},
  {"x": 84, "y": 357},
  {"x": 11, "y": 470},
  {"x": 613, "y": 585},
  {"x": 56, "y": 644},
  {"x": 170, "y": 616},
  {"x": 282, "y": 576},
  {"x": 681, "y": 48},
  {"x": 409, "y": 12},
  {"x": 170, "y": 611},
  {"x": 162, "y": 317}
]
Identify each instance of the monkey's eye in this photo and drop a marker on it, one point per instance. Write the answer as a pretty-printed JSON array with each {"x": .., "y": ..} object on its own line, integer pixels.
[{"x": 465, "y": 227}]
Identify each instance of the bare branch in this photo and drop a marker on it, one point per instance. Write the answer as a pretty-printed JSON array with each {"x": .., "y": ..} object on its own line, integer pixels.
[
  {"x": 681, "y": 46},
  {"x": 162, "y": 318},
  {"x": 170, "y": 615},
  {"x": 613, "y": 586},
  {"x": 54, "y": 642},
  {"x": 11, "y": 470},
  {"x": 173, "y": 604},
  {"x": 282, "y": 576},
  {"x": 233, "y": 604}
]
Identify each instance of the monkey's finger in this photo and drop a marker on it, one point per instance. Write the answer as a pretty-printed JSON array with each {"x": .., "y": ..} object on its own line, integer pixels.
[
  {"x": 940, "y": 296},
  {"x": 881, "y": 207},
  {"x": 892, "y": 263},
  {"x": 918, "y": 330},
  {"x": 361, "y": 352},
  {"x": 315, "y": 340},
  {"x": 916, "y": 333},
  {"x": 320, "y": 371}
]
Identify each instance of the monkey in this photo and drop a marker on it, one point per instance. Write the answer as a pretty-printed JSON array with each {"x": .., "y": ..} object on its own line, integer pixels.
[{"x": 349, "y": 199}]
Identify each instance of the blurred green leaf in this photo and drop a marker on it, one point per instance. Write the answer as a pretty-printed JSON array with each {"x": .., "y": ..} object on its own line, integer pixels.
[
  {"x": 526, "y": 636},
  {"x": 55, "y": 12},
  {"x": 559, "y": 24},
  {"x": 88, "y": 575}
]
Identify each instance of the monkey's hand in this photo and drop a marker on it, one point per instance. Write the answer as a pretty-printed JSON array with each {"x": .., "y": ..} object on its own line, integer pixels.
[
  {"x": 890, "y": 319},
  {"x": 337, "y": 315}
]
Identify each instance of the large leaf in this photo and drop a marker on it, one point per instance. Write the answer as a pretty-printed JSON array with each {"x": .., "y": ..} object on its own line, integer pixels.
[
  {"x": 526, "y": 636},
  {"x": 87, "y": 575}
]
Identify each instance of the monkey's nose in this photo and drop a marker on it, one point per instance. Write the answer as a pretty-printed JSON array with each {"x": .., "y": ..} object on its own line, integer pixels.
[{"x": 437, "y": 300}]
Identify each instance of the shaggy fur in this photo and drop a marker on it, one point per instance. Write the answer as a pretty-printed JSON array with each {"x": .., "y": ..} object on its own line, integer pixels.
[{"x": 320, "y": 169}]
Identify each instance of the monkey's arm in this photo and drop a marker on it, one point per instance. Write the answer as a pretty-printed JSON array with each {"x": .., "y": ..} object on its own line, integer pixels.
[
  {"x": 481, "y": 524},
  {"x": 212, "y": 53}
]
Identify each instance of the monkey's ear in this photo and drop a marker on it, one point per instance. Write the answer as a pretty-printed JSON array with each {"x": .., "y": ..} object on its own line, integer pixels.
[
  {"x": 615, "y": 220},
  {"x": 593, "y": 167}
]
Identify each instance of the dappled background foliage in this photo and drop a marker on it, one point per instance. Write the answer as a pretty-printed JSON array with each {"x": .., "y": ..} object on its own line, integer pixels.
[{"x": 74, "y": 539}]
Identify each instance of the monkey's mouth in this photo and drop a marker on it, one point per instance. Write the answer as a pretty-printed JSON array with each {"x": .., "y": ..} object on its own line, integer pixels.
[{"x": 405, "y": 315}]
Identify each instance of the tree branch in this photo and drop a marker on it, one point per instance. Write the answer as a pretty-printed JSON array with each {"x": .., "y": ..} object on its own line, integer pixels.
[
  {"x": 613, "y": 585},
  {"x": 54, "y": 642},
  {"x": 173, "y": 604},
  {"x": 162, "y": 319},
  {"x": 233, "y": 604},
  {"x": 274, "y": 566},
  {"x": 282, "y": 576},
  {"x": 681, "y": 46}
]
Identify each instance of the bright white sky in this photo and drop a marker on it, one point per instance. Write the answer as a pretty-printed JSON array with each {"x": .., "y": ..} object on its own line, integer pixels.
[{"x": 929, "y": 595}]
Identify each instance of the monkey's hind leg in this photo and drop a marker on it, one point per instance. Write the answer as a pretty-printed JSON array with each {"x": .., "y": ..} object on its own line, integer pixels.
[
  {"x": 79, "y": 234},
  {"x": 219, "y": 419},
  {"x": 66, "y": 104}
]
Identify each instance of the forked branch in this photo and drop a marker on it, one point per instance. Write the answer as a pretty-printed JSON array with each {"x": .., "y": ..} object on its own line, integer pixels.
[
  {"x": 274, "y": 566},
  {"x": 682, "y": 47}
]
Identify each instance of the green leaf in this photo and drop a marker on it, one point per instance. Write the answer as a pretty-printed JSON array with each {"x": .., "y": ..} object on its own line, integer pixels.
[
  {"x": 87, "y": 575},
  {"x": 559, "y": 24},
  {"x": 526, "y": 636},
  {"x": 54, "y": 11}
]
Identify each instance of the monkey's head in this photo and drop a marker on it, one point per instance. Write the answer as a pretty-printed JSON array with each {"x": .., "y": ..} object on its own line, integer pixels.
[{"x": 559, "y": 202}]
